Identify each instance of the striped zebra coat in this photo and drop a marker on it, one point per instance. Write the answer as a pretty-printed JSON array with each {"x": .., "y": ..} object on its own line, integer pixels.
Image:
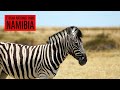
[{"x": 41, "y": 61}]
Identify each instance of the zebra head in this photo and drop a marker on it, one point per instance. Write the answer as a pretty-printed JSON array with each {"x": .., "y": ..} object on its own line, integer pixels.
[{"x": 75, "y": 45}]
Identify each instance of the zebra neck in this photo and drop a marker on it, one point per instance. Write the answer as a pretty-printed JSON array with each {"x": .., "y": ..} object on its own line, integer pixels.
[
  {"x": 60, "y": 51},
  {"x": 59, "y": 46}
]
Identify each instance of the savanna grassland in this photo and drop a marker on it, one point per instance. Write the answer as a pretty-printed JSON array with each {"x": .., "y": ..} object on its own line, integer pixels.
[{"x": 102, "y": 45}]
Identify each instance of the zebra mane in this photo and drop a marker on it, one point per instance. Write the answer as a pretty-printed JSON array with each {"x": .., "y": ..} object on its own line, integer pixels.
[
  {"x": 55, "y": 35},
  {"x": 69, "y": 31}
]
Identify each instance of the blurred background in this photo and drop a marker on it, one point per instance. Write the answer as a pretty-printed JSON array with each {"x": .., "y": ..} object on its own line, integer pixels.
[{"x": 101, "y": 40}]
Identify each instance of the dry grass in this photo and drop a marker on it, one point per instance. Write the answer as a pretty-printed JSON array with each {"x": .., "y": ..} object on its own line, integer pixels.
[{"x": 102, "y": 64}]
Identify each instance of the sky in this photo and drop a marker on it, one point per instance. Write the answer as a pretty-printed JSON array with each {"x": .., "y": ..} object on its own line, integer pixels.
[{"x": 70, "y": 18}]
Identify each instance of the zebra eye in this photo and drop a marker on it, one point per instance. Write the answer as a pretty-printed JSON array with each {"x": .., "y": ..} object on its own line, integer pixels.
[{"x": 76, "y": 43}]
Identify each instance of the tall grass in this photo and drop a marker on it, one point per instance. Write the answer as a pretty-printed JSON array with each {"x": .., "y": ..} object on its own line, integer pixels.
[{"x": 94, "y": 38}]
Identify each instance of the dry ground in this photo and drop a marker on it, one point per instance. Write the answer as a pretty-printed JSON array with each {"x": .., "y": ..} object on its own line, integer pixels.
[{"x": 101, "y": 64}]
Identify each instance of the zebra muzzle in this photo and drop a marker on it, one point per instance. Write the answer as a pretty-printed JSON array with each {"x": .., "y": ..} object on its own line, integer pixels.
[{"x": 83, "y": 60}]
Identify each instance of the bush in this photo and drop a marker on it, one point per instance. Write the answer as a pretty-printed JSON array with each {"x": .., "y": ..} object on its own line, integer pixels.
[
  {"x": 26, "y": 41},
  {"x": 101, "y": 42}
]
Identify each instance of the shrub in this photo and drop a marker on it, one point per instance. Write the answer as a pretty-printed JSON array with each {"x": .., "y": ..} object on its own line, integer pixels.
[
  {"x": 101, "y": 42},
  {"x": 26, "y": 41}
]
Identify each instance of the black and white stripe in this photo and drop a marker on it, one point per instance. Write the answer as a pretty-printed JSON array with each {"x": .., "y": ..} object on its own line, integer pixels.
[{"x": 41, "y": 61}]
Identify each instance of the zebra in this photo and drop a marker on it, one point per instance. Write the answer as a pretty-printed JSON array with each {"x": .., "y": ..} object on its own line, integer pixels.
[{"x": 42, "y": 61}]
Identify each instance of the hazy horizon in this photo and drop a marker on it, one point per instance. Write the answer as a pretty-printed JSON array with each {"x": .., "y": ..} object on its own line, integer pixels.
[{"x": 70, "y": 18}]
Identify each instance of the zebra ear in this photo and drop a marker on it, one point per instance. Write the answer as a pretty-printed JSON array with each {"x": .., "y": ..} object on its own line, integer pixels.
[
  {"x": 79, "y": 33},
  {"x": 74, "y": 32},
  {"x": 70, "y": 31}
]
